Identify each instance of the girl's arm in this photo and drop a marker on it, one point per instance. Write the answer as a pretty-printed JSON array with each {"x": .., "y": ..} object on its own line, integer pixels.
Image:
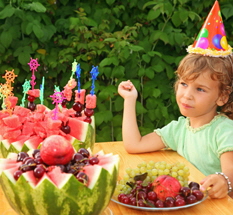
[
  {"x": 217, "y": 183},
  {"x": 133, "y": 141}
]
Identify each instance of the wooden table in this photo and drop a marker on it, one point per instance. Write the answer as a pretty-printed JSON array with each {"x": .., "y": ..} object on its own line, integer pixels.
[{"x": 208, "y": 207}]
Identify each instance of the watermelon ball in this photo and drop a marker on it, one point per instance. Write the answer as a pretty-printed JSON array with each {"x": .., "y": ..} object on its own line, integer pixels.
[{"x": 56, "y": 150}]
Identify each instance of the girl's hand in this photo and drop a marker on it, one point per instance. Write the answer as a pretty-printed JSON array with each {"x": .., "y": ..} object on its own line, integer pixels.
[
  {"x": 216, "y": 185},
  {"x": 126, "y": 90}
]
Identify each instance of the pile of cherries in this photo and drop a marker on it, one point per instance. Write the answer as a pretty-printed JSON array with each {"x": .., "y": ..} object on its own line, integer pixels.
[
  {"x": 36, "y": 164},
  {"x": 144, "y": 196}
]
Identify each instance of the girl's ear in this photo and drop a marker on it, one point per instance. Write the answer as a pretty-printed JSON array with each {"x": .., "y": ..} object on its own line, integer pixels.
[{"x": 222, "y": 100}]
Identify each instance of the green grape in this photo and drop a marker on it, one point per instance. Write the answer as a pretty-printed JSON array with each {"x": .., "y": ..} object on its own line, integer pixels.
[
  {"x": 126, "y": 177},
  {"x": 164, "y": 162},
  {"x": 132, "y": 173},
  {"x": 160, "y": 172},
  {"x": 166, "y": 171},
  {"x": 157, "y": 164},
  {"x": 143, "y": 169},
  {"x": 143, "y": 164},
  {"x": 137, "y": 171},
  {"x": 122, "y": 182},
  {"x": 153, "y": 177},
  {"x": 180, "y": 178},
  {"x": 181, "y": 183},
  {"x": 168, "y": 166},
  {"x": 174, "y": 174},
  {"x": 154, "y": 172},
  {"x": 181, "y": 172},
  {"x": 162, "y": 166},
  {"x": 182, "y": 165},
  {"x": 149, "y": 172},
  {"x": 128, "y": 170},
  {"x": 148, "y": 166},
  {"x": 151, "y": 163},
  {"x": 186, "y": 183},
  {"x": 174, "y": 169}
]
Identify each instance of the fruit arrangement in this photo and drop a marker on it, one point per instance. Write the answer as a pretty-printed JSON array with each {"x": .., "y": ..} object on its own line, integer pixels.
[
  {"x": 157, "y": 184},
  {"x": 153, "y": 170},
  {"x": 40, "y": 182}
]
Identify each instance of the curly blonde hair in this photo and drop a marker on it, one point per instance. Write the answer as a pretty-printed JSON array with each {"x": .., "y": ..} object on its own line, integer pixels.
[{"x": 221, "y": 68}]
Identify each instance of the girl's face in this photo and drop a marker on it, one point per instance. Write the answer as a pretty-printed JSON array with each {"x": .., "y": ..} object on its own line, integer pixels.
[{"x": 199, "y": 97}]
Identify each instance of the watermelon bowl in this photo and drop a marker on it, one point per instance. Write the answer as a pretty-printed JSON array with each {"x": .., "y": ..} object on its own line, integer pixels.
[
  {"x": 24, "y": 130},
  {"x": 57, "y": 191}
]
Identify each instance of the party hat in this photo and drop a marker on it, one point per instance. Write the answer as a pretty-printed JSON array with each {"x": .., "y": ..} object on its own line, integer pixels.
[{"x": 211, "y": 40}]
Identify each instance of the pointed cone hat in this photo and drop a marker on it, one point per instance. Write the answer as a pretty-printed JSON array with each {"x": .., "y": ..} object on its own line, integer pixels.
[{"x": 211, "y": 40}]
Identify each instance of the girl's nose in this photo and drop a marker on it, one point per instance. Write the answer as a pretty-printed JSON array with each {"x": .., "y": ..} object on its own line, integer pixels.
[{"x": 188, "y": 94}]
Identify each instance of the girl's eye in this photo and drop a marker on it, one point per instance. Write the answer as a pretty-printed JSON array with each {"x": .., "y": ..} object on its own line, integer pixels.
[
  {"x": 200, "y": 89},
  {"x": 183, "y": 84}
]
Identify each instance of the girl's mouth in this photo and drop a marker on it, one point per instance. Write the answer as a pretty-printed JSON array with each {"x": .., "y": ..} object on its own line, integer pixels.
[{"x": 186, "y": 105}]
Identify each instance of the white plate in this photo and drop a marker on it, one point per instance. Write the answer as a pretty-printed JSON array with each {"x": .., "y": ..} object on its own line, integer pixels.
[{"x": 159, "y": 209}]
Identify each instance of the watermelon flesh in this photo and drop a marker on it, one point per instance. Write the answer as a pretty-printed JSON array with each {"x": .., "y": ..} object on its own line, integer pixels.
[
  {"x": 24, "y": 122},
  {"x": 58, "y": 192}
]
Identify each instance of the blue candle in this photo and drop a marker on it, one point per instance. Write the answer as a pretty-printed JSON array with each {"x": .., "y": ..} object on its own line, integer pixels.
[
  {"x": 94, "y": 73},
  {"x": 78, "y": 74}
]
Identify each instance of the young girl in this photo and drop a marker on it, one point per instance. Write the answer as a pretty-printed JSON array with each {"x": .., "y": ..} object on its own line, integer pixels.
[{"x": 204, "y": 134}]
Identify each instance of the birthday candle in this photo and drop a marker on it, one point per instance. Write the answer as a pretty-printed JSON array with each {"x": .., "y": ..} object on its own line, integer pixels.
[
  {"x": 26, "y": 86},
  {"x": 94, "y": 73},
  {"x": 78, "y": 75},
  {"x": 74, "y": 65},
  {"x": 42, "y": 91}
]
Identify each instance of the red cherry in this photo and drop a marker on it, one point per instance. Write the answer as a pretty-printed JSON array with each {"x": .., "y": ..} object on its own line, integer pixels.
[
  {"x": 31, "y": 98},
  {"x": 199, "y": 195},
  {"x": 179, "y": 202},
  {"x": 88, "y": 119},
  {"x": 89, "y": 112},
  {"x": 77, "y": 106}
]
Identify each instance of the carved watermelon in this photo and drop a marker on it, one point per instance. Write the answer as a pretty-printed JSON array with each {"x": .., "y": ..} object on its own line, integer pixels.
[
  {"x": 25, "y": 130},
  {"x": 57, "y": 192}
]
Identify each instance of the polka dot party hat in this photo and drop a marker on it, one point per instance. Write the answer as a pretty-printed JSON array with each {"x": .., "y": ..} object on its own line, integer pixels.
[{"x": 211, "y": 40}]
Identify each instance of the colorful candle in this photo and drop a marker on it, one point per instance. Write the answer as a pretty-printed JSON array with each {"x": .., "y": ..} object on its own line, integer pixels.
[
  {"x": 74, "y": 65},
  {"x": 33, "y": 67},
  {"x": 78, "y": 75},
  {"x": 26, "y": 86},
  {"x": 94, "y": 73},
  {"x": 42, "y": 92}
]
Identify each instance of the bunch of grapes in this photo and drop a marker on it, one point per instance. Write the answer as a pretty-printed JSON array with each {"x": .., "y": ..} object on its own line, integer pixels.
[{"x": 153, "y": 170}]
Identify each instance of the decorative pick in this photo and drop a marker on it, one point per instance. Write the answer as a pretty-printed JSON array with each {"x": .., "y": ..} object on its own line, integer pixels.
[
  {"x": 26, "y": 86},
  {"x": 57, "y": 100},
  {"x": 42, "y": 92},
  {"x": 74, "y": 65},
  {"x": 78, "y": 75},
  {"x": 94, "y": 73},
  {"x": 33, "y": 67}
]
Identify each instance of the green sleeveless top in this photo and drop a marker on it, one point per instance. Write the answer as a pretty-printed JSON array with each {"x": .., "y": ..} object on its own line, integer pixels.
[{"x": 201, "y": 146}]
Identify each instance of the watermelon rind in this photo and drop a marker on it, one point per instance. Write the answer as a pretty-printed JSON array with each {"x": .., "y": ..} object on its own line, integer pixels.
[{"x": 73, "y": 198}]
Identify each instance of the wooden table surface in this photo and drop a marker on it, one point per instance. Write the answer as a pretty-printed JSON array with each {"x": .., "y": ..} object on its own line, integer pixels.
[{"x": 208, "y": 207}]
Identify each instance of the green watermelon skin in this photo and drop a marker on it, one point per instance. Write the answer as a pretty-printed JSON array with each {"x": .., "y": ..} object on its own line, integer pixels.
[{"x": 73, "y": 198}]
